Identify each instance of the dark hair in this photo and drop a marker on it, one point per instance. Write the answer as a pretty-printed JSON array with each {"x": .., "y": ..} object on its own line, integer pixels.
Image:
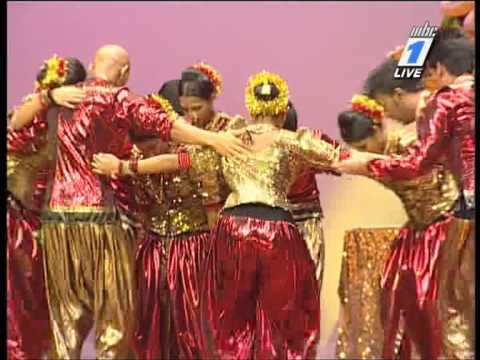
[
  {"x": 355, "y": 126},
  {"x": 291, "y": 123},
  {"x": 449, "y": 33},
  {"x": 169, "y": 91},
  {"x": 195, "y": 83},
  {"x": 75, "y": 72},
  {"x": 274, "y": 92},
  {"x": 456, "y": 54},
  {"x": 381, "y": 81}
]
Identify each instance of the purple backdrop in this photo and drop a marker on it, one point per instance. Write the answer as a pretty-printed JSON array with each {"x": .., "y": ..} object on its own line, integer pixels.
[{"x": 323, "y": 49}]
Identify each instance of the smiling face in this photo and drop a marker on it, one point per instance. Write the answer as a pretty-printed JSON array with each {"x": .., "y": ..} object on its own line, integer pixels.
[{"x": 201, "y": 111}]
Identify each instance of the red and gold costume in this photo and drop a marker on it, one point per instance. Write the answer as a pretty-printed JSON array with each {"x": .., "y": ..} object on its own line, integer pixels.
[
  {"x": 253, "y": 309},
  {"x": 410, "y": 277},
  {"x": 89, "y": 256},
  {"x": 170, "y": 257},
  {"x": 29, "y": 334},
  {"x": 446, "y": 131},
  {"x": 306, "y": 209}
]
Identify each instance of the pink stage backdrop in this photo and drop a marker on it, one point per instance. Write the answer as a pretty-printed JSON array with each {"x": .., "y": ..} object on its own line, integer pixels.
[{"x": 323, "y": 49}]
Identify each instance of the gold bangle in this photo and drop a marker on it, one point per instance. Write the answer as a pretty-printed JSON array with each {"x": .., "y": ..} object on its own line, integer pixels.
[{"x": 126, "y": 169}]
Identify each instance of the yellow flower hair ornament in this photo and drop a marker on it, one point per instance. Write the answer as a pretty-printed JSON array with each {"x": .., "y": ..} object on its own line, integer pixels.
[
  {"x": 55, "y": 73},
  {"x": 272, "y": 107},
  {"x": 165, "y": 105}
]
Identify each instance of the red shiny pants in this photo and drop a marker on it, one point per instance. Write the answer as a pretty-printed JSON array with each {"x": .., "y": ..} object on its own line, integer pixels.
[
  {"x": 409, "y": 293},
  {"x": 28, "y": 326},
  {"x": 169, "y": 271},
  {"x": 261, "y": 296}
]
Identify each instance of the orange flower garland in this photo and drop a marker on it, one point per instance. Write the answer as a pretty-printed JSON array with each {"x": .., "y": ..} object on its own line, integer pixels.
[{"x": 368, "y": 106}]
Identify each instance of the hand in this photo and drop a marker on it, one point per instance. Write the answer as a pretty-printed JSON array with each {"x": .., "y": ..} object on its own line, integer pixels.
[
  {"x": 396, "y": 53},
  {"x": 227, "y": 144},
  {"x": 356, "y": 164},
  {"x": 105, "y": 164},
  {"x": 68, "y": 96}
]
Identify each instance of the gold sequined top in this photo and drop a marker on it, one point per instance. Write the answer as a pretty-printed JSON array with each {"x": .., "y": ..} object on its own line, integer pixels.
[
  {"x": 180, "y": 199},
  {"x": 265, "y": 176},
  {"x": 28, "y": 160},
  {"x": 425, "y": 198}
]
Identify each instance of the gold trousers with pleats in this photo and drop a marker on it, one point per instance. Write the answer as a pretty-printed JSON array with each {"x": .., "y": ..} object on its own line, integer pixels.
[
  {"x": 90, "y": 282},
  {"x": 312, "y": 232}
]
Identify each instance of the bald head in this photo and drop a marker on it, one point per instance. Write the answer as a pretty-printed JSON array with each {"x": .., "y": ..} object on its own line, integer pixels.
[{"x": 112, "y": 63}]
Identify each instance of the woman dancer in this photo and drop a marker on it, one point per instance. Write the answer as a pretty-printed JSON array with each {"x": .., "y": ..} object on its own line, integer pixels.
[
  {"x": 171, "y": 252},
  {"x": 253, "y": 308},
  {"x": 27, "y": 163},
  {"x": 409, "y": 281}
]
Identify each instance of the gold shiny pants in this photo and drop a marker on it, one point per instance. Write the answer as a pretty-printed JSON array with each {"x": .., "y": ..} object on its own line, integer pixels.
[
  {"x": 312, "y": 232},
  {"x": 89, "y": 279},
  {"x": 456, "y": 290},
  {"x": 360, "y": 333}
]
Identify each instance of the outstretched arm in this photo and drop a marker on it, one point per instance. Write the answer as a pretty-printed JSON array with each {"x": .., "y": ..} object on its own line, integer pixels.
[
  {"x": 224, "y": 143},
  {"x": 33, "y": 105},
  {"x": 316, "y": 149},
  {"x": 424, "y": 153},
  {"x": 149, "y": 117},
  {"x": 110, "y": 165}
]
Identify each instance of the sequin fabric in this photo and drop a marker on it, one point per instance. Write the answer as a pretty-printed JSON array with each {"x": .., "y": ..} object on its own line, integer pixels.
[
  {"x": 265, "y": 176},
  {"x": 427, "y": 197},
  {"x": 360, "y": 332},
  {"x": 179, "y": 199},
  {"x": 171, "y": 256}
]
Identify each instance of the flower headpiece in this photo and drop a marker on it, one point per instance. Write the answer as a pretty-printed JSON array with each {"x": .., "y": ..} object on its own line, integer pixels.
[
  {"x": 368, "y": 106},
  {"x": 212, "y": 74},
  {"x": 55, "y": 73},
  {"x": 272, "y": 107},
  {"x": 166, "y": 106}
]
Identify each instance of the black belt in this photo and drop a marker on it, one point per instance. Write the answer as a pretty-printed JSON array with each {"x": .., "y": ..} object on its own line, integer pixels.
[{"x": 260, "y": 211}]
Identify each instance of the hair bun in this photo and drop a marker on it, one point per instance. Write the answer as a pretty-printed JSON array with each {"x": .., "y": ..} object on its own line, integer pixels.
[
  {"x": 211, "y": 74},
  {"x": 266, "y": 92},
  {"x": 190, "y": 74},
  {"x": 52, "y": 73}
]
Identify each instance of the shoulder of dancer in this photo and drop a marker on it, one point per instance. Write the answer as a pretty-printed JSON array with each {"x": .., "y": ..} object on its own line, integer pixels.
[{"x": 223, "y": 121}]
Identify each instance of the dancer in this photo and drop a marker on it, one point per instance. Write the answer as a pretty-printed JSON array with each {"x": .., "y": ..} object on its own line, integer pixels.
[
  {"x": 409, "y": 281},
  {"x": 81, "y": 221},
  {"x": 27, "y": 308},
  {"x": 305, "y": 205},
  {"x": 446, "y": 130},
  {"x": 253, "y": 309},
  {"x": 178, "y": 230}
]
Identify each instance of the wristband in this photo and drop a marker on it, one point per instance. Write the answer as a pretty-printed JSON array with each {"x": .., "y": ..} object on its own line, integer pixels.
[
  {"x": 184, "y": 161},
  {"x": 133, "y": 166}
]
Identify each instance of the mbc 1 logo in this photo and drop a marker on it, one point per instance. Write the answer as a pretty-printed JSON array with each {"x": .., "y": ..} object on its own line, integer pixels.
[{"x": 410, "y": 65}]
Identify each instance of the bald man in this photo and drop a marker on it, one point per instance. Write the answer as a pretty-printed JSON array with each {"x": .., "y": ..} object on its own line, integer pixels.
[{"x": 88, "y": 253}]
